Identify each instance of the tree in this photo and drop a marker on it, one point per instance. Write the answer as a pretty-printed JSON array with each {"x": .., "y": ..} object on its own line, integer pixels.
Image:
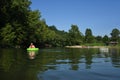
[
  {"x": 106, "y": 40},
  {"x": 98, "y": 38},
  {"x": 53, "y": 27},
  {"x": 60, "y": 39},
  {"x": 7, "y": 35},
  {"x": 89, "y": 38},
  {"x": 115, "y": 34},
  {"x": 14, "y": 16},
  {"x": 75, "y": 36},
  {"x": 23, "y": 22},
  {"x": 33, "y": 26}
]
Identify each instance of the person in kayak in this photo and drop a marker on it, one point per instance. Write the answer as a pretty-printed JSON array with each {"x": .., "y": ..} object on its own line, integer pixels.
[{"x": 32, "y": 45}]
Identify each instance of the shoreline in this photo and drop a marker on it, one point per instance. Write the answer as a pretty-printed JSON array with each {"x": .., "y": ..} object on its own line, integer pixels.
[{"x": 77, "y": 46}]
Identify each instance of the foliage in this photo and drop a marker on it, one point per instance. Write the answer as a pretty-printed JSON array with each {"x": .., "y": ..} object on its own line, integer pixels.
[
  {"x": 19, "y": 26},
  {"x": 14, "y": 17},
  {"x": 115, "y": 34},
  {"x": 75, "y": 36},
  {"x": 98, "y": 38},
  {"x": 7, "y": 34},
  {"x": 89, "y": 38},
  {"x": 60, "y": 38},
  {"x": 106, "y": 39}
]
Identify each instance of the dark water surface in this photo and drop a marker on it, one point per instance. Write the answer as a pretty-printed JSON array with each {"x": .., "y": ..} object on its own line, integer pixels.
[{"x": 60, "y": 64}]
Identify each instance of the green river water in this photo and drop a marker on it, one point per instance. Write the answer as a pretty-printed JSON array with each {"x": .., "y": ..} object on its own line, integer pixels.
[{"x": 60, "y": 64}]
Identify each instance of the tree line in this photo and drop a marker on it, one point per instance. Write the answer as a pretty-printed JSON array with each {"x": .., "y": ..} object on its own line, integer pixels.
[{"x": 19, "y": 26}]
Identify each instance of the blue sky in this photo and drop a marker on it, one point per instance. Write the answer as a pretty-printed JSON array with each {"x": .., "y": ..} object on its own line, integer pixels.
[{"x": 101, "y": 16}]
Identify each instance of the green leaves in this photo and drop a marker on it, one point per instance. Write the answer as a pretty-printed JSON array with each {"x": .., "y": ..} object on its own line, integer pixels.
[
  {"x": 7, "y": 34},
  {"x": 115, "y": 34},
  {"x": 89, "y": 38},
  {"x": 19, "y": 25},
  {"x": 75, "y": 36}
]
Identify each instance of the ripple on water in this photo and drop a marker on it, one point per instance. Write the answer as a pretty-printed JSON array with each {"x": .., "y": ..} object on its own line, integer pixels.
[{"x": 79, "y": 75}]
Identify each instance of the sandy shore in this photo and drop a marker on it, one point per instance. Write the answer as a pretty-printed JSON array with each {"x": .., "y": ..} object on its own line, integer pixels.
[{"x": 86, "y": 46}]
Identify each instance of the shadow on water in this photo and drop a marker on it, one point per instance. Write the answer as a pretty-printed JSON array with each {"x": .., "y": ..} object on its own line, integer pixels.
[
  {"x": 115, "y": 57},
  {"x": 32, "y": 54},
  {"x": 60, "y": 64}
]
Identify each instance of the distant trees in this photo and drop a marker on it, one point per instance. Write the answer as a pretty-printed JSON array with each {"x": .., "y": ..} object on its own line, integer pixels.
[
  {"x": 115, "y": 34},
  {"x": 89, "y": 38},
  {"x": 106, "y": 39},
  {"x": 60, "y": 38},
  {"x": 75, "y": 36},
  {"x": 98, "y": 39},
  {"x": 19, "y": 26}
]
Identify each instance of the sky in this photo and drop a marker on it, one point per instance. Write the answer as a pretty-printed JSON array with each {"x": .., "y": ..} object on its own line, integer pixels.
[{"x": 101, "y": 16}]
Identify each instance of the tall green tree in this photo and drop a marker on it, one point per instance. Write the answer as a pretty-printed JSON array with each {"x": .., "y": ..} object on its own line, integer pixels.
[
  {"x": 4, "y": 16},
  {"x": 60, "y": 38},
  {"x": 98, "y": 38},
  {"x": 75, "y": 36},
  {"x": 19, "y": 19},
  {"x": 14, "y": 16},
  {"x": 89, "y": 38},
  {"x": 45, "y": 34},
  {"x": 7, "y": 35},
  {"x": 33, "y": 26},
  {"x": 106, "y": 39},
  {"x": 115, "y": 34},
  {"x": 3, "y": 12}
]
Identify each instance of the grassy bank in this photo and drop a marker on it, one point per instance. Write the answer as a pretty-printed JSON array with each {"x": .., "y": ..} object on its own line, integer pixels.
[{"x": 94, "y": 45}]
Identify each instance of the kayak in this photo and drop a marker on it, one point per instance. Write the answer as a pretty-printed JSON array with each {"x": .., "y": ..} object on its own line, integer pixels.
[{"x": 31, "y": 49}]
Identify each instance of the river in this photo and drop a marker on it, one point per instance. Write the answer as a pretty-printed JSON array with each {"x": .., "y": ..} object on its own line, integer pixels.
[{"x": 60, "y": 64}]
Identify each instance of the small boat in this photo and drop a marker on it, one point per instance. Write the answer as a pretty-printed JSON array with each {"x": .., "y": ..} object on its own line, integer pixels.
[{"x": 32, "y": 49}]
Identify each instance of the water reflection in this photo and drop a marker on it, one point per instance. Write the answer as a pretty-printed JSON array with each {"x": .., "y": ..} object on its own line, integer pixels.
[
  {"x": 78, "y": 61},
  {"x": 104, "y": 50},
  {"x": 115, "y": 57},
  {"x": 15, "y": 65},
  {"x": 88, "y": 58},
  {"x": 31, "y": 54},
  {"x": 72, "y": 59}
]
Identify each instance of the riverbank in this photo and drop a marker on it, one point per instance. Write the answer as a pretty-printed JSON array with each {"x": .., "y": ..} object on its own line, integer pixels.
[{"x": 77, "y": 46}]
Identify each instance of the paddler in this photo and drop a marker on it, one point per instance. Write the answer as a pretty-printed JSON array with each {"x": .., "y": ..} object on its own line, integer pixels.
[{"x": 32, "y": 45}]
